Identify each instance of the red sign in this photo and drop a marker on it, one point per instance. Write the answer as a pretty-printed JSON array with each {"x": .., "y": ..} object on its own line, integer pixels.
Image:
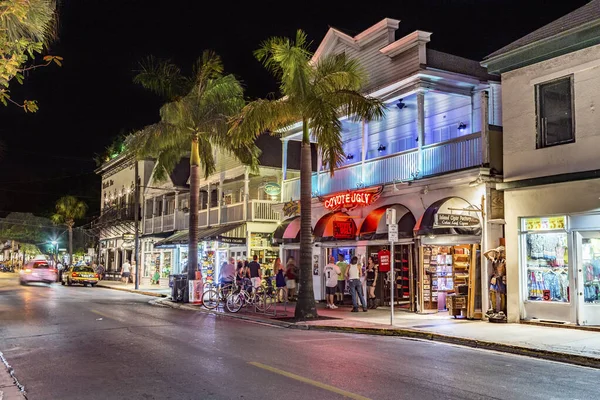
[
  {"x": 547, "y": 296},
  {"x": 384, "y": 260},
  {"x": 351, "y": 199},
  {"x": 344, "y": 229}
]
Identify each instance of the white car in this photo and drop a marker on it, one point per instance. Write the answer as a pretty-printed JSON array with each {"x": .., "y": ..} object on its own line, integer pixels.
[{"x": 37, "y": 271}]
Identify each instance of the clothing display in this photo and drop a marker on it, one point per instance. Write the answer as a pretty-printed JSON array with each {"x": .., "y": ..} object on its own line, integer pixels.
[
  {"x": 547, "y": 267},
  {"x": 591, "y": 270}
]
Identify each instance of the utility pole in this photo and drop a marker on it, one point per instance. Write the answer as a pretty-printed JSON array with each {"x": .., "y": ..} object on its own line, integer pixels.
[{"x": 136, "y": 218}]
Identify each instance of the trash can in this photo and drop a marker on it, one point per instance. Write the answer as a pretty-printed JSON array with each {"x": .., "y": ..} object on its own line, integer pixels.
[{"x": 179, "y": 287}]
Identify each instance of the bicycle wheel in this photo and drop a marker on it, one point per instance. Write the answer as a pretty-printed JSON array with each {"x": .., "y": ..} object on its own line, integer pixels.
[
  {"x": 234, "y": 302},
  {"x": 210, "y": 299},
  {"x": 260, "y": 300}
]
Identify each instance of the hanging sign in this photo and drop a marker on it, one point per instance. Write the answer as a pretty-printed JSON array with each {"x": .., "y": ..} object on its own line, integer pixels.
[
  {"x": 344, "y": 229},
  {"x": 230, "y": 240},
  {"x": 291, "y": 208},
  {"x": 455, "y": 220},
  {"x": 384, "y": 260},
  {"x": 128, "y": 237},
  {"x": 352, "y": 199},
  {"x": 272, "y": 189},
  {"x": 545, "y": 224}
]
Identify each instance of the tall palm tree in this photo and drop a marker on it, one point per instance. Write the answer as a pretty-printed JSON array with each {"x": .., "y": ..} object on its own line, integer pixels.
[
  {"x": 194, "y": 121},
  {"x": 315, "y": 94},
  {"x": 69, "y": 209}
]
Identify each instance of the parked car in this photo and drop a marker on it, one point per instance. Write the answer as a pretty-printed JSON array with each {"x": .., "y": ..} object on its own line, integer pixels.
[
  {"x": 37, "y": 271},
  {"x": 80, "y": 274}
]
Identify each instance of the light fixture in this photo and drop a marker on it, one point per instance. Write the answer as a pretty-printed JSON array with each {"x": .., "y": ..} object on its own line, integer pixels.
[
  {"x": 350, "y": 156},
  {"x": 400, "y": 104},
  {"x": 462, "y": 127},
  {"x": 381, "y": 148}
]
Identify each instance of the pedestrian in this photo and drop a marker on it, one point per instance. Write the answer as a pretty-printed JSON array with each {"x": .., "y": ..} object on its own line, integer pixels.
[
  {"x": 255, "y": 272},
  {"x": 132, "y": 272},
  {"x": 100, "y": 271},
  {"x": 341, "y": 283},
  {"x": 354, "y": 273},
  {"x": 280, "y": 281},
  {"x": 372, "y": 275},
  {"x": 227, "y": 272},
  {"x": 125, "y": 271},
  {"x": 332, "y": 272},
  {"x": 290, "y": 275}
]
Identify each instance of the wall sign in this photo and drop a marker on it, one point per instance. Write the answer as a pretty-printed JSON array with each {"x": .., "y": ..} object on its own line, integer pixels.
[
  {"x": 545, "y": 224},
  {"x": 344, "y": 229},
  {"x": 455, "y": 220},
  {"x": 272, "y": 189},
  {"x": 230, "y": 240},
  {"x": 128, "y": 237},
  {"x": 291, "y": 208},
  {"x": 351, "y": 199}
]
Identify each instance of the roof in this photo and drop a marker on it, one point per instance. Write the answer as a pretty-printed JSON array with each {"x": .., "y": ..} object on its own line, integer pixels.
[
  {"x": 181, "y": 172},
  {"x": 583, "y": 15},
  {"x": 451, "y": 63}
]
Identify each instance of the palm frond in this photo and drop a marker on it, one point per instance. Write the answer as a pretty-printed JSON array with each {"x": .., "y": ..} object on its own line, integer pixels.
[
  {"x": 262, "y": 116},
  {"x": 338, "y": 72},
  {"x": 34, "y": 20},
  {"x": 162, "y": 77},
  {"x": 355, "y": 105}
]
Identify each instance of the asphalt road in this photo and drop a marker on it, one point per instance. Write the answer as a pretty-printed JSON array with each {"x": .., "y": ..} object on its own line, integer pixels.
[{"x": 93, "y": 343}]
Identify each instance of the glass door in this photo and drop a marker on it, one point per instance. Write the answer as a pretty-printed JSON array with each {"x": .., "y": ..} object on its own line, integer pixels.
[{"x": 588, "y": 277}]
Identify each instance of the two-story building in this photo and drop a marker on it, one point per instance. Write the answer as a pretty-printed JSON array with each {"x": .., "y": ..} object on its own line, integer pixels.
[
  {"x": 550, "y": 81},
  {"x": 435, "y": 158},
  {"x": 115, "y": 226},
  {"x": 235, "y": 216}
]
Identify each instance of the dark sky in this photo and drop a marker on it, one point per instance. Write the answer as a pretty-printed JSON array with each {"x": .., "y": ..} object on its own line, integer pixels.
[{"x": 90, "y": 100}]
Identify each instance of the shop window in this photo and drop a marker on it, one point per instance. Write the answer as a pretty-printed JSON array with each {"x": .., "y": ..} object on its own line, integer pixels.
[
  {"x": 547, "y": 258},
  {"x": 554, "y": 106},
  {"x": 228, "y": 199}
]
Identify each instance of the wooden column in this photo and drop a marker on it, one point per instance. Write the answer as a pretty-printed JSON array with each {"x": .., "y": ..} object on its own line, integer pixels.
[
  {"x": 485, "y": 129},
  {"x": 420, "y": 130},
  {"x": 364, "y": 150},
  {"x": 246, "y": 193}
]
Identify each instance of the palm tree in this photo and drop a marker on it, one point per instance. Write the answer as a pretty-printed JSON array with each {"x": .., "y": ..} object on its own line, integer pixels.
[
  {"x": 315, "y": 93},
  {"x": 194, "y": 120},
  {"x": 69, "y": 209}
]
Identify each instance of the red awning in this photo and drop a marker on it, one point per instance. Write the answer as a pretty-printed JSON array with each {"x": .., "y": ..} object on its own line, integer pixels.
[
  {"x": 335, "y": 226},
  {"x": 288, "y": 231},
  {"x": 375, "y": 227}
]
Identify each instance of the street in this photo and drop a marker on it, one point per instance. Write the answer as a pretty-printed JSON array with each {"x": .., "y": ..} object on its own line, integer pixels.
[{"x": 93, "y": 343}]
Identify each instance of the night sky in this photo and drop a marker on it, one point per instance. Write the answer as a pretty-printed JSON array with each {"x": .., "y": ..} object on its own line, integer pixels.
[{"x": 92, "y": 99}]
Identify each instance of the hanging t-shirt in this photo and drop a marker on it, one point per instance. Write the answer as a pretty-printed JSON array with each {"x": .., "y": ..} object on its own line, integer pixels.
[{"x": 332, "y": 273}]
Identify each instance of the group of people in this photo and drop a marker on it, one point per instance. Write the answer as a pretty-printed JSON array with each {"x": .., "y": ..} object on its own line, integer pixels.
[{"x": 336, "y": 276}]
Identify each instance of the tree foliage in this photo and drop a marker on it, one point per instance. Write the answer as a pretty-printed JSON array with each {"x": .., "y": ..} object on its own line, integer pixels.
[
  {"x": 26, "y": 29},
  {"x": 26, "y": 228},
  {"x": 69, "y": 209}
]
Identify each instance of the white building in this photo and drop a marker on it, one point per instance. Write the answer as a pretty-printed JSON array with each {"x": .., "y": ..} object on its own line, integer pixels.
[
  {"x": 437, "y": 153},
  {"x": 550, "y": 81}
]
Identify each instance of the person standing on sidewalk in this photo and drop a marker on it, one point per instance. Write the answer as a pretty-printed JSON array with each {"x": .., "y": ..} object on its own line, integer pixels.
[
  {"x": 371, "y": 282},
  {"x": 341, "y": 283},
  {"x": 353, "y": 273},
  {"x": 332, "y": 273},
  {"x": 290, "y": 278},
  {"x": 255, "y": 272}
]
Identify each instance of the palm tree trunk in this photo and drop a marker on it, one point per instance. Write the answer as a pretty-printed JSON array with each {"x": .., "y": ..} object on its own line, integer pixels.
[
  {"x": 194, "y": 197},
  {"x": 70, "y": 244},
  {"x": 305, "y": 308}
]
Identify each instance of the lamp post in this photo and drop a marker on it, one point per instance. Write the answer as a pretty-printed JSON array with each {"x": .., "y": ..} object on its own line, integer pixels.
[{"x": 55, "y": 255}]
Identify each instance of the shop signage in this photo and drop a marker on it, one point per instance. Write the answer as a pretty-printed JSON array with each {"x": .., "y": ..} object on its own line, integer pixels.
[
  {"x": 545, "y": 224},
  {"x": 230, "y": 240},
  {"x": 547, "y": 296},
  {"x": 127, "y": 245},
  {"x": 62, "y": 249},
  {"x": 455, "y": 220},
  {"x": 352, "y": 199},
  {"x": 291, "y": 208},
  {"x": 344, "y": 229},
  {"x": 393, "y": 232},
  {"x": 384, "y": 260},
  {"x": 128, "y": 237},
  {"x": 272, "y": 189}
]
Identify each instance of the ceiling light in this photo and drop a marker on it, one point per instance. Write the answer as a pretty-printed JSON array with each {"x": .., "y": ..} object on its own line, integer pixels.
[
  {"x": 350, "y": 156},
  {"x": 400, "y": 104},
  {"x": 462, "y": 127},
  {"x": 381, "y": 148}
]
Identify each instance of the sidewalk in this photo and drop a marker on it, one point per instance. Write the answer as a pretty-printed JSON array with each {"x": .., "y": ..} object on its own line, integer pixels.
[
  {"x": 150, "y": 290},
  {"x": 572, "y": 346},
  {"x": 8, "y": 387}
]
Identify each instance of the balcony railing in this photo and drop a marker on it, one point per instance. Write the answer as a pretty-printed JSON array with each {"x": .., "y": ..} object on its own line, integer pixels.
[
  {"x": 168, "y": 222},
  {"x": 454, "y": 155},
  {"x": 261, "y": 211}
]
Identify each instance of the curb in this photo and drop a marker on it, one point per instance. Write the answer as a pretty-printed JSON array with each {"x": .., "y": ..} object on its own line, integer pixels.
[
  {"x": 574, "y": 359},
  {"x": 132, "y": 291}
]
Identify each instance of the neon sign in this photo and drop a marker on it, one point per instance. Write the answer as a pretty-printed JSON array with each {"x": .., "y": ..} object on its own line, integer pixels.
[{"x": 351, "y": 199}]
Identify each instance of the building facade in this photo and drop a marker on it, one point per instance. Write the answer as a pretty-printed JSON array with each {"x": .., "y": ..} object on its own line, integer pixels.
[
  {"x": 551, "y": 187},
  {"x": 435, "y": 158}
]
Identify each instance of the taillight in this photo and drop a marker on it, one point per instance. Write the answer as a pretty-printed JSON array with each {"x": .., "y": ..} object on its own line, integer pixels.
[
  {"x": 74, "y": 274},
  {"x": 27, "y": 271},
  {"x": 52, "y": 270},
  {"x": 97, "y": 276}
]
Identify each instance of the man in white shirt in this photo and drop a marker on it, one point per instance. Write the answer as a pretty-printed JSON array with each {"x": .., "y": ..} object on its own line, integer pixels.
[
  {"x": 125, "y": 271},
  {"x": 332, "y": 272}
]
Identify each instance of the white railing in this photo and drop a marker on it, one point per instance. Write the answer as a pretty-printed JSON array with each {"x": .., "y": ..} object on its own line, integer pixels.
[
  {"x": 439, "y": 158},
  {"x": 169, "y": 223},
  {"x": 213, "y": 217},
  {"x": 180, "y": 220},
  {"x": 232, "y": 213},
  {"x": 148, "y": 225},
  {"x": 261, "y": 211},
  {"x": 157, "y": 226},
  {"x": 201, "y": 218}
]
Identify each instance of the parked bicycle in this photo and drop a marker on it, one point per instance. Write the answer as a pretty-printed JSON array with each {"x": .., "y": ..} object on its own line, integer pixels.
[
  {"x": 262, "y": 298},
  {"x": 215, "y": 294}
]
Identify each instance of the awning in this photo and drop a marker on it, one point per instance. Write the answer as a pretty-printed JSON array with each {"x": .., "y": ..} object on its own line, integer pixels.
[
  {"x": 335, "y": 226},
  {"x": 214, "y": 233},
  {"x": 288, "y": 231},
  {"x": 375, "y": 227},
  {"x": 449, "y": 216}
]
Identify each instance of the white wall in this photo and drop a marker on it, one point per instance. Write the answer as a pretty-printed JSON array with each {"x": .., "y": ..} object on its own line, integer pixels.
[{"x": 521, "y": 158}]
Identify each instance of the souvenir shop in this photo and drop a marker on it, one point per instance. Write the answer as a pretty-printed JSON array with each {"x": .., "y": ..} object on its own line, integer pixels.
[{"x": 449, "y": 267}]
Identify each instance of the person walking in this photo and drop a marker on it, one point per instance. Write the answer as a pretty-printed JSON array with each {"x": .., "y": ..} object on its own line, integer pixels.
[
  {"x": 280, "y": 283},
  {"x": 255, "y": 272},
  {"x": 59, "y": 271},
  {"x": 100, "y": 271},
  {"x": 125, "y": 271},
  {"x": 290, "y": 275},
  {"x": 341, "y": 283},
  {"x": 354, "y": 273},
  {"x": 372, "y": 275},
  {"x": 332, "y": 273}
]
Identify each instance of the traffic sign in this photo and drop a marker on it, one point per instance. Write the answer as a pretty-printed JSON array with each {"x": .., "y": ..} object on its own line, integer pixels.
[{"x": 393, "y": 232}]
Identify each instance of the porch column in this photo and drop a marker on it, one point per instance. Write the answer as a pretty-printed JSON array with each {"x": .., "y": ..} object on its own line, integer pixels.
[
  {"x": 175, "y": 227},
  {"x": 246, "y": 199},
  {"x": 220, "y": 201},
  {"x": 364, "y": 150},
  {"x": 208, "y": 200},
  {"x": 284, "y": 158},
  {"x": 420, "y": 130},
  {"x": 319, "y": 168},
  {"x": 153, "y": 212},
  {"x": 162, "y": 216},
  {"x": 485, "y": 129}
]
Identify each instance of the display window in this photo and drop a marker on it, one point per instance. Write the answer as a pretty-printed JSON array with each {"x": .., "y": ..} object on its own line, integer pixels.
[
  {"x": 590, "y": 256},
  {"x": 546, "y": 248}
]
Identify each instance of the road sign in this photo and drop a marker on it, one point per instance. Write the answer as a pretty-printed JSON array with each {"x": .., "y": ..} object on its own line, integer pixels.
[{"x": 393, "y": 232}]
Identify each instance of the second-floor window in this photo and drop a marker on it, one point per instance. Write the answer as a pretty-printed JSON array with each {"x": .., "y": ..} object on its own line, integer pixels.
[{"x": 555, "y": 112}]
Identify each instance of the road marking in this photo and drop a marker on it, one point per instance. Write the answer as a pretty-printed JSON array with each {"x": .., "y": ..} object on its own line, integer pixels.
[
  {"x": 310, "y": 382},
  {"x": 102, "y": 314}
]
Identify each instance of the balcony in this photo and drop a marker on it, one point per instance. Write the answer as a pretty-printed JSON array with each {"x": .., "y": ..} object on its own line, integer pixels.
[{"x": 439, "y": 158}]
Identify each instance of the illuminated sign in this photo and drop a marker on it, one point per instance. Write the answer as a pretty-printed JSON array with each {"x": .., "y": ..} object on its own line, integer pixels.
[
  {"x": 545, "y": 224},
  {"x": 344, "y": 229},
  {"x": 351, "y": 199},
  {"x": 128, "y": 237},
  {"x": 291, "y": 208},
  {"x": 272, "y": 189},
  {"x": 455, "y": 220}
]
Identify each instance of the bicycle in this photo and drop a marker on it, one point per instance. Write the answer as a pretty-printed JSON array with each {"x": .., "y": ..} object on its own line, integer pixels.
[
  {"x": 215, "y": 294},
  {"x": 258, "y": 297}
]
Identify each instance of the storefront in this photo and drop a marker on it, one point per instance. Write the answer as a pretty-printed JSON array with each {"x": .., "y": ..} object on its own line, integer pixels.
[
  {"x": 449, "y": 258},
  {"x": 287, "y": 237}
]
